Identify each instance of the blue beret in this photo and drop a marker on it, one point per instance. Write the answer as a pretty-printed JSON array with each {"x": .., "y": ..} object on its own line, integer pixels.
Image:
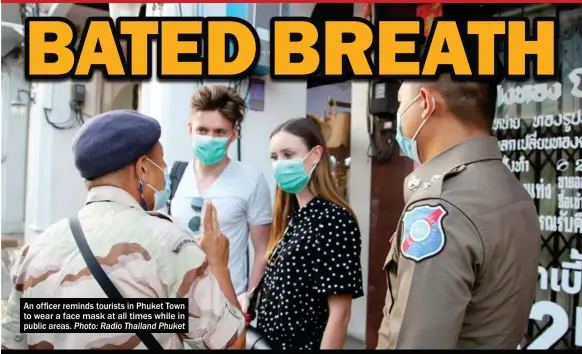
[{"x": 112, "y": 140}]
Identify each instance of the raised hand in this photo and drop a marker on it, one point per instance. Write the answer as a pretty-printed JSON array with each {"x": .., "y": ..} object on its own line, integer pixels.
[{"x": 212, "y": 241}]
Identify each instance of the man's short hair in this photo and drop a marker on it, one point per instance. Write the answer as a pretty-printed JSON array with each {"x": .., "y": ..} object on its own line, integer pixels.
[
  {"x": 472, "y": 101},
  {"x": 223, "y": 99}
]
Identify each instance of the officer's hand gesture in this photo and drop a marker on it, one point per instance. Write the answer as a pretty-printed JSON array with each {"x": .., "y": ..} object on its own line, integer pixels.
[{"x": 213, "y": 242}]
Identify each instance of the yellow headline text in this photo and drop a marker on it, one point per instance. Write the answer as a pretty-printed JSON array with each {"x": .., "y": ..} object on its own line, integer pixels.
[{"x": 226, "y": 47}]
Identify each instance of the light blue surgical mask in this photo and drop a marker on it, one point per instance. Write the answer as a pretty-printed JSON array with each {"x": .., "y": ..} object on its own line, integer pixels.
[
  {"x": 290, "y": 174},
  {"x": 409, "y": 146},
  {"x": 208, "y": 149},
  {"x": 161, "y": 197}
]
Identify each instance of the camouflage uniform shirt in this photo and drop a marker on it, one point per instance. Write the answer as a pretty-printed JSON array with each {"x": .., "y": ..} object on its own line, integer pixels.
[{"x": 144, "y": 256}]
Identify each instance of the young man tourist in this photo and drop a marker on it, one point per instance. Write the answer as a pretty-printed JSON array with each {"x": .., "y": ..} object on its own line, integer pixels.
[{"x": 239, "y": 193}]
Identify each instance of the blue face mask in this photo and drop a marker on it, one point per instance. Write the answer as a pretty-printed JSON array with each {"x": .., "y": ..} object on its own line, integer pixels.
[
  {"x": 290, "y": 174},
  {"x": 161, "y": 197},
  {"x": 409, "y": 146},
  {"x": 208, "y": 149}
]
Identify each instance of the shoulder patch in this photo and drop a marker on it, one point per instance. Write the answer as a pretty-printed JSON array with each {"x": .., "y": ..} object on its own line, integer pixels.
[
  {"x": 423, "y": 235},
  {"x": 183, "y": 242}
]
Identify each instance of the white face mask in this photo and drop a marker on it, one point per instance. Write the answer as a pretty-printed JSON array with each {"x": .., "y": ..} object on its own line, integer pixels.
[
  {"x": 161, "y": 197},
  {"x": 409, "y": 146}
]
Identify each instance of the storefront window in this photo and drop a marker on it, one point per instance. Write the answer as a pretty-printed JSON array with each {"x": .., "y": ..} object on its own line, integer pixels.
[{"x": 539, "y": 127}]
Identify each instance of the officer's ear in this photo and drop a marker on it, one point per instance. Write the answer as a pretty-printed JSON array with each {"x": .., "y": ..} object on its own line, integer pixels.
[
  {"x": 427, "y": 102},
  {"x": 140, "y": 168}
]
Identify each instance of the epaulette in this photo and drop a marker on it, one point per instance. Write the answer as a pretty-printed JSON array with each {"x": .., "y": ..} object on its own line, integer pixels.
[
  {"x": 436, "y": 183},
  {"x": 160, "y": 215},
  {"x": 455, "y": 171}
]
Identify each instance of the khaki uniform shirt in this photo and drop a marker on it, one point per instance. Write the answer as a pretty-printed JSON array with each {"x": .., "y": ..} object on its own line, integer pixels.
[
  {"x": 144, "y": 256},
  {"x": 462, "y": 268}
]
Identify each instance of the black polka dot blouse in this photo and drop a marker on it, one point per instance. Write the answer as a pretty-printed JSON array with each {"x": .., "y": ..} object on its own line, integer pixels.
[{"x": 318, "y": 256}]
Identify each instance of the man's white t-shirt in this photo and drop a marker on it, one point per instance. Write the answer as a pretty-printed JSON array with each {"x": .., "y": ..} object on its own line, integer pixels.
[{"x": 241, "y": 197}]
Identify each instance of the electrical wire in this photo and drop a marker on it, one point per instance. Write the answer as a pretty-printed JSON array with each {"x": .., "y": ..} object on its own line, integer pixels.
[
  {"x": 238, "y": 84},
  {"x": 382, "y": 142},
  {"x": 387, "y": 147},
  {"x": 381, "y": 146},
  {"x": 249, "y": 83},
  {"x": 70, "y": 123},
  {"x": 76, "y": 118}
]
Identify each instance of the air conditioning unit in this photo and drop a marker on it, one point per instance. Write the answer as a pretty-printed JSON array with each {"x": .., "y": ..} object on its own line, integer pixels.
[{"x": 259, "y": 15}]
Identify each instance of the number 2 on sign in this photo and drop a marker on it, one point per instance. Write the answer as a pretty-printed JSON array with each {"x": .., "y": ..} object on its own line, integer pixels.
[
  {"x": 578, "y": 167},
  {"x": 558, "y": 328}
]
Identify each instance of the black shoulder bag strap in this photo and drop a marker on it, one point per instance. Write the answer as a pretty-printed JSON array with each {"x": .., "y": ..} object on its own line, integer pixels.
[
  {"x": 102, "y": 279},
  {"x": 176, "y": 174}
]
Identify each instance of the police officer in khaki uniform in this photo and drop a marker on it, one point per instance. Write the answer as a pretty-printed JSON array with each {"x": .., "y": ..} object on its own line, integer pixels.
[{"x": 462, "y": 267}]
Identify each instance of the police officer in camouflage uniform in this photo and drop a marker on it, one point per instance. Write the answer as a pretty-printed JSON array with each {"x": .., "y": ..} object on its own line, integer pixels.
[{"x": 143, "y": 253}]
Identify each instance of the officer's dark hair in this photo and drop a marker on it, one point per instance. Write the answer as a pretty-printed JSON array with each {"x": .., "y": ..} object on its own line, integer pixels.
[
  {"x": 471, "y": 101},
  {"x": 223, "y": 99}
]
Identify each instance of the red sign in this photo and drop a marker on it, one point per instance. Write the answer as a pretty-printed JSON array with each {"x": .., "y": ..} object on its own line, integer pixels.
[{"x": 429, "y": 12}]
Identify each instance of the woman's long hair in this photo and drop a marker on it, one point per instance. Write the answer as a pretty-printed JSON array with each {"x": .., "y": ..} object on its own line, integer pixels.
[{"x": 321, "y": 183}]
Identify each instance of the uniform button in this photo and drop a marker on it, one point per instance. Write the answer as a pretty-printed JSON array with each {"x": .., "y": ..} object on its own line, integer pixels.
[{"x": 18, "y": 337}]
